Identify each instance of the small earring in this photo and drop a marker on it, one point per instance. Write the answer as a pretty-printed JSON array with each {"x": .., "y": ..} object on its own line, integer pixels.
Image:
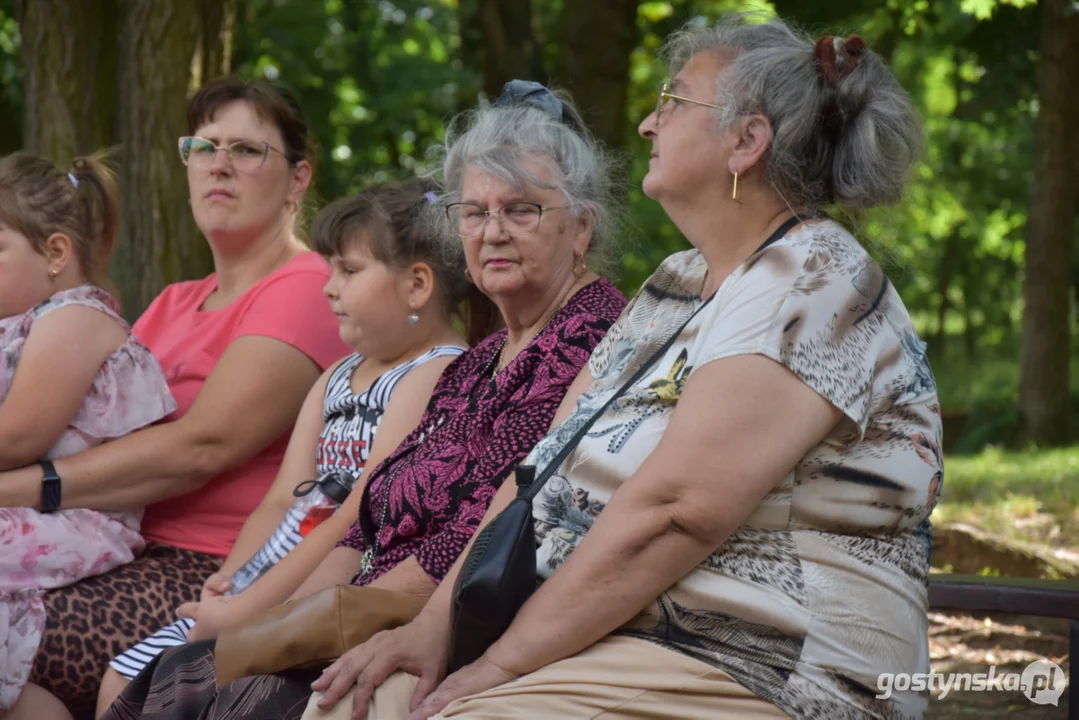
[
  {"x": 584, "y": 268},
  {"x": 734, "y": 193},
  {"x": 413, "y": 319},
  {"x": 468, "y": 276},
  {"x": 53, "y": 275}
]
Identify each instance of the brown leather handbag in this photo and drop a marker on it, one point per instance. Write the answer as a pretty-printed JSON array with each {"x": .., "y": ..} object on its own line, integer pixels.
[{"x": 312, "y": 631}]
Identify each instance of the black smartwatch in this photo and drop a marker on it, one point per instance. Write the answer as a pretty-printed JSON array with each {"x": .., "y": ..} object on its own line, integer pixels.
[{"x": 50, "y": 488}]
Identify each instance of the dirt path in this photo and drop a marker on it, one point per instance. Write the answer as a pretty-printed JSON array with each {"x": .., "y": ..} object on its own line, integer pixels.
[{"x": 963, "y": 643}]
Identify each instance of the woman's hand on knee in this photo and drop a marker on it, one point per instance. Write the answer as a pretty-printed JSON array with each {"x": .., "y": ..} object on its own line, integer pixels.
[
  {"x": 481, "y": 675},
  {"x": 413, "y": 648},
  {"x": 366, "y": 666}
]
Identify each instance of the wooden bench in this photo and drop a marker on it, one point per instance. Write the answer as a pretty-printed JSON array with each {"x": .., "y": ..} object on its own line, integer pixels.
[{"x": 1022, "y": 596}]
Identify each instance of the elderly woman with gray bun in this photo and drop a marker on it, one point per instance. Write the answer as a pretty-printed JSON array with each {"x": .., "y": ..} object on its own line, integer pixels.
[{"x": 744, "y": 531}]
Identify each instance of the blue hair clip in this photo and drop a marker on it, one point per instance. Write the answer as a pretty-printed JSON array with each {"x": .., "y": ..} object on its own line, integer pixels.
[
  {"x": 530, "y": 93},
  {"x": 431, "y": 197},
  {"x": 74, "y": 180}
]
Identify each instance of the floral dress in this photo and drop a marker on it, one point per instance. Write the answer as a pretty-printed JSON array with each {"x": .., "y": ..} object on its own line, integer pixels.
[{"x": 39, "y": 552}]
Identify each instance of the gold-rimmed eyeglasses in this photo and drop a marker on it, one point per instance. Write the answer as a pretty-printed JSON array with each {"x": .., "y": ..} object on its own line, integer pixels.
[
  {"x": 245, "y": 155},
  {"x": 519, "y": 219},
  {"x": 665, "y": 96}
]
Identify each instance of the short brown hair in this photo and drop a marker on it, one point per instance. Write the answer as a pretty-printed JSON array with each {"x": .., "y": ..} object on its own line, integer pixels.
[
  {"x": 401, "y": 223},
  {"x": 271, "y": 103},
  {"x": 37, "y": 200}
]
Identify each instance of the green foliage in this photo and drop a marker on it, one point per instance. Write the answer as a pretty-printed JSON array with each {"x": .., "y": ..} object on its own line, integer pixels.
[
  {"x": 1030, "y": 495},
  {"x": 958, "y": 235},
  {"x": 10, "y": 80},
  {"x": 979, "y": 397},
  {"x": 10, "y": 63},
  {"x": 378, "y": 80}
]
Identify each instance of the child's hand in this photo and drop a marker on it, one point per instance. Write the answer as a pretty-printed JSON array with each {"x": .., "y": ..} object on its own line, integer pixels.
[
  {"x": 215, "y": 586},
  {"x": 212, "y": 616}
]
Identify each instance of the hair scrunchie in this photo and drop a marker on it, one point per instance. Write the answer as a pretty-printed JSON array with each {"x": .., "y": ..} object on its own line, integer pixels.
[
  {"x": 528, "y": 92},
  {"x": 825, "y": 53}
]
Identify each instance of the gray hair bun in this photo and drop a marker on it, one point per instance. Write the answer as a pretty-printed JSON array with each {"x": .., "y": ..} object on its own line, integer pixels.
[{"x": 843, "y": 129}]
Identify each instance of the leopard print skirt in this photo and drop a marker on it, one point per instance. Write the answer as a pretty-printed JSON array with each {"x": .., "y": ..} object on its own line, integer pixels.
[{"x": 94, "y": 620}]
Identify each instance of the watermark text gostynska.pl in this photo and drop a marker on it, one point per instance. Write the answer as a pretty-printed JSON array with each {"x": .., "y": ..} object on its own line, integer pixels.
[{"x": 1042, "y": 682}]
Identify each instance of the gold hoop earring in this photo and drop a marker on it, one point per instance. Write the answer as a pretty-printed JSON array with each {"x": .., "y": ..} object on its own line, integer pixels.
[
  {"x": 734, "y": 193},
  {"x": 468, "y": 276}
]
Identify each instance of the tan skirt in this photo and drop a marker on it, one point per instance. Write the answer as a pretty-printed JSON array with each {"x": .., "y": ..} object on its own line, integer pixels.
[{"x": 618, "y": 677}]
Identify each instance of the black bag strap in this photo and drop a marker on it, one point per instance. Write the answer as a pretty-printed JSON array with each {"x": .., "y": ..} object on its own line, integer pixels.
[
  {"x": 548, "y": 471},
  {"x": 537, "y": 485}
]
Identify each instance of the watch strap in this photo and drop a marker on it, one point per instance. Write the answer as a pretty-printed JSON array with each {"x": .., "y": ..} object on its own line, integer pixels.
[{"x": 50, "y": 488}]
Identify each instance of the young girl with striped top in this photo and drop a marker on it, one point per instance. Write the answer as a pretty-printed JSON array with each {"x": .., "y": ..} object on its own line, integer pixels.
[{"x": 395, "y": 290}]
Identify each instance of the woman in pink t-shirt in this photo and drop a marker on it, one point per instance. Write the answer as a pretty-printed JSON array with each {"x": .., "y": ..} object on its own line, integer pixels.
[{"x": 240, "y": 350}]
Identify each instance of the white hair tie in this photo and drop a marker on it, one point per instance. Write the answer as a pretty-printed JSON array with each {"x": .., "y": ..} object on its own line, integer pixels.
[{"x": 74, "y": 180}]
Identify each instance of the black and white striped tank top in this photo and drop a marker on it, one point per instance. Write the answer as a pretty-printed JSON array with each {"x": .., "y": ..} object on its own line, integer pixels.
[
  {"x": 351, "y": 422},
  {"x": 345, "y": 442}
]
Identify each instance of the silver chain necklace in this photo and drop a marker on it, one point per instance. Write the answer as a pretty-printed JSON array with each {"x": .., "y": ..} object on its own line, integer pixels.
[{"x": 498, "y": 360}]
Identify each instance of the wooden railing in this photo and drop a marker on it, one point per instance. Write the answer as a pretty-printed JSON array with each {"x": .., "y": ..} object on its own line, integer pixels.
[{"x": 1022, "y": 596}]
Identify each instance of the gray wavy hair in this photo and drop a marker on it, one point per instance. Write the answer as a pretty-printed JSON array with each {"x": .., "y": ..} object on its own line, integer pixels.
[
  {"x": 498, "y": 139},
  {"x": 843, "y": 129}
]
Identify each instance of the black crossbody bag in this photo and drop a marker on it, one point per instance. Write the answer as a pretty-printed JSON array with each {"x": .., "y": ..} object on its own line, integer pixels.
[{"x": 499, "y": 573}]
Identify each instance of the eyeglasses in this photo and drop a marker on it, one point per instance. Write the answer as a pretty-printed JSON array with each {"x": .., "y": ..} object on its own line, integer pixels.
[
  {"x": 245, "y": 155},
  {"x": 519, "y": 219},
  {"x": 665, "y": 96}
]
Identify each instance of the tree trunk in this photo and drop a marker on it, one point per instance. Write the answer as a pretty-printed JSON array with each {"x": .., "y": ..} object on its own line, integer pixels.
[
  {"x": 238, "y": 45},
  {"x": 1075, "y": 285},
  {"x": 1043, "y": 384},
  {"x": 497, "y": 39},
  {"x": 945, "y": 274},
  {"x": 213, "y": 53},
  {"x": 69, "y": 85},
  {"x": 159, "y": 243},
  {"x": 970, "y": 333},
  {"x": 10, "y": 125},
  {"x": 599, "y": 37}
]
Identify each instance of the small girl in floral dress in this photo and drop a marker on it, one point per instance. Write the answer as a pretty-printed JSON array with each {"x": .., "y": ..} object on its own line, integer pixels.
[{"x": 71, "y": 376}]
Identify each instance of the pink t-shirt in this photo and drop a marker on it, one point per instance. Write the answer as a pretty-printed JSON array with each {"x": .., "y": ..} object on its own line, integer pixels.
[{"x": 287, "y": 305}]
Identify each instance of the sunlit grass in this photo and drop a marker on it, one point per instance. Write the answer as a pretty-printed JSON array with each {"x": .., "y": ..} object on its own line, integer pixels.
[{"x": 1030, "y": 495}]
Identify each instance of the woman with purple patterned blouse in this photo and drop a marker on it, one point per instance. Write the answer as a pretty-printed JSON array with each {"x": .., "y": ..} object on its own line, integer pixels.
[
  {"x": 477, "y": 427},
  {"x": 529, "y": 197}
]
